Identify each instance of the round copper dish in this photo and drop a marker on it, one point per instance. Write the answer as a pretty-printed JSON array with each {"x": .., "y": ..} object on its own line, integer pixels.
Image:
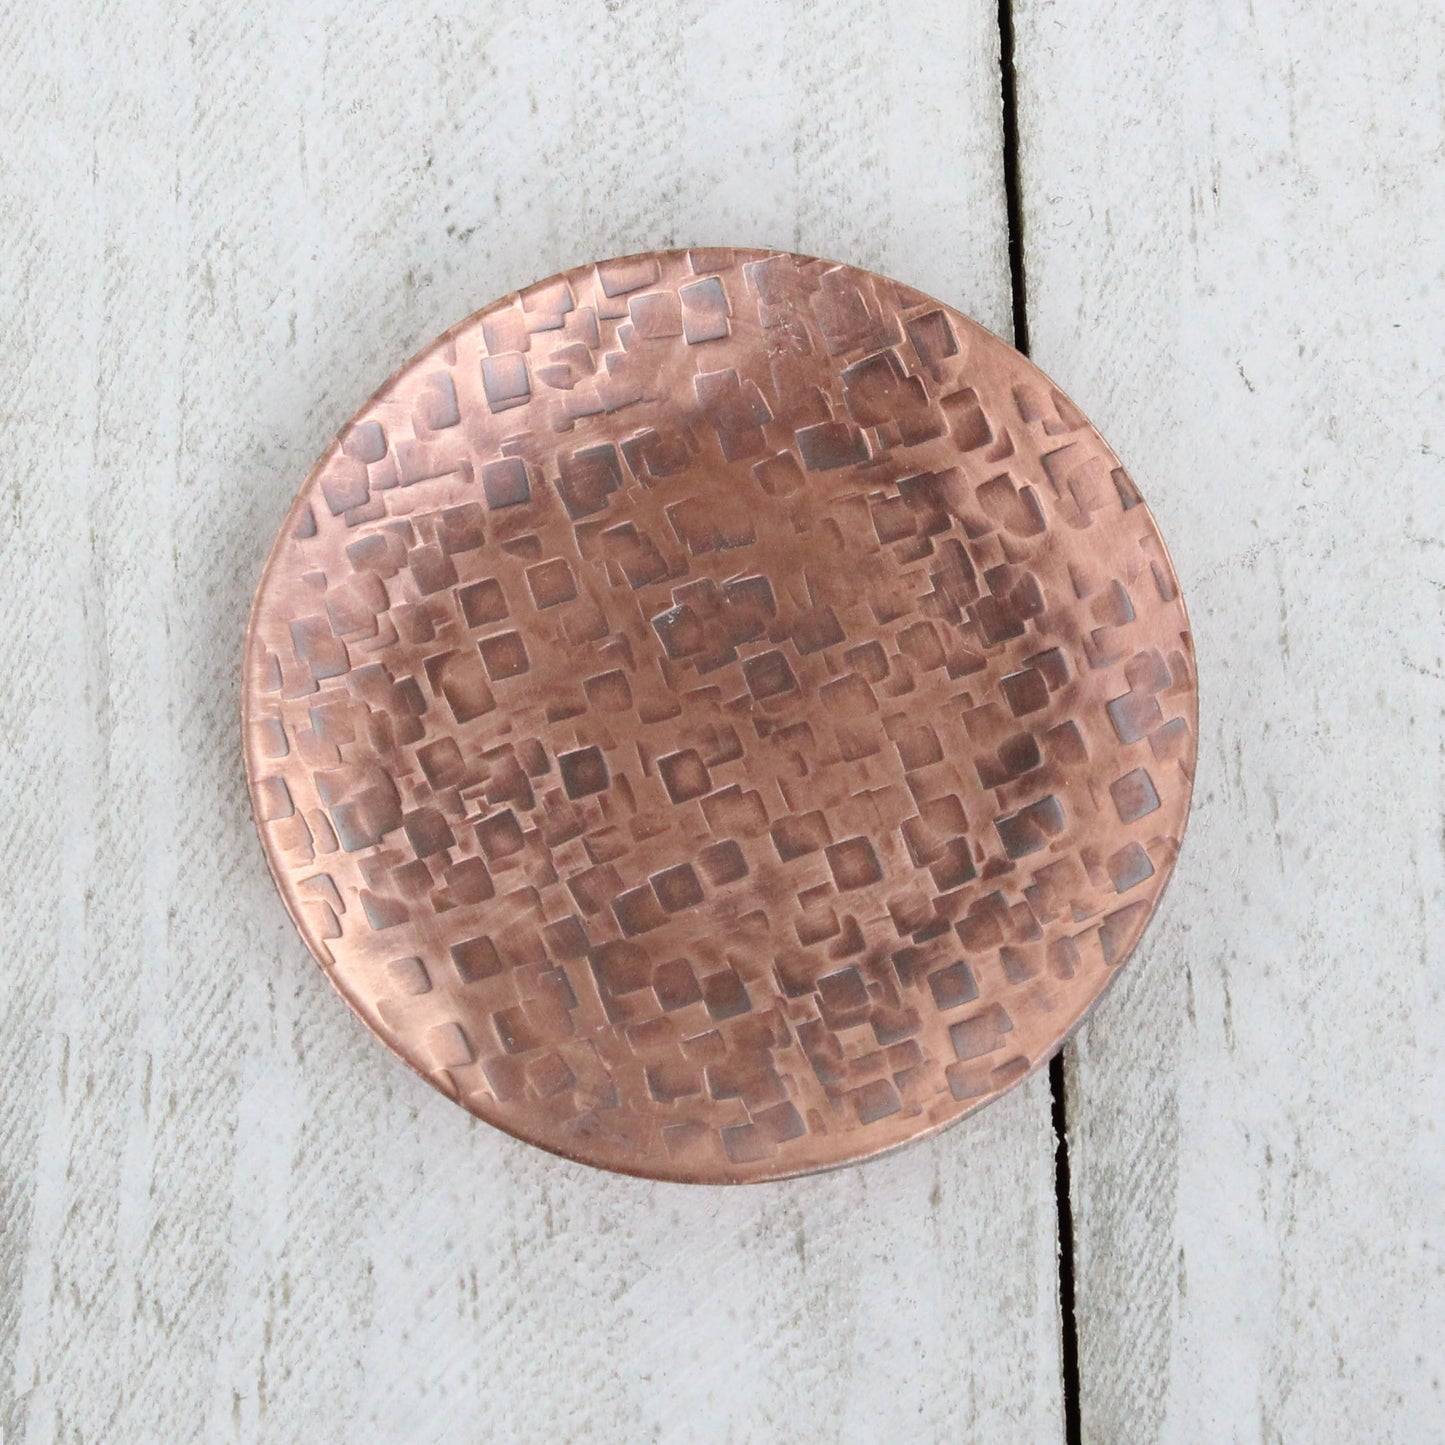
[{"x": 720, "y": 714}]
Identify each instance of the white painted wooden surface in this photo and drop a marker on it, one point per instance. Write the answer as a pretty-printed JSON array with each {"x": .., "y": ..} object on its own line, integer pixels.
[
  {"x": 1235, "y": 257},
  {"x": 225, "y": 1214}
]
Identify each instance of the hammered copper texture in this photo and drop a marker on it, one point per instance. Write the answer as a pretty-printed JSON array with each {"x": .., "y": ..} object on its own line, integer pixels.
[{"x": 720, "y": 714}]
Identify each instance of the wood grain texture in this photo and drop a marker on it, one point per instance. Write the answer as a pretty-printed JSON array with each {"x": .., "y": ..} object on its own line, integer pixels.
[
  {"x": 226, "y": 1214},
  {"x": 1233, "y": 251}
]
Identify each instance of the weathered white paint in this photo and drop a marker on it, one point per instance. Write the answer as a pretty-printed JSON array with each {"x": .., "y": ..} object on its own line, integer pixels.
[
  {"x": 227, "y": 1214},
  {"x": 1233, "y": 217}
]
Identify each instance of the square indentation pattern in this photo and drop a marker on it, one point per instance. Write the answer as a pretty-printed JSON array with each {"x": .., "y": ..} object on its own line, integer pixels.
[{"x": 724, "y": 776}]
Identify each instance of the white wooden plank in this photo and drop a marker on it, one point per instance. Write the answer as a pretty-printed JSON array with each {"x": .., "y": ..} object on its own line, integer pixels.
[
  {"x": 227, "y": 1214},
  {"x": 1233, "y": 258}
]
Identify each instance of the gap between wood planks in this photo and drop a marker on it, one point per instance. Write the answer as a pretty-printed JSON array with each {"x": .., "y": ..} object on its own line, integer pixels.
[{"x": 1069, "y": 1343}]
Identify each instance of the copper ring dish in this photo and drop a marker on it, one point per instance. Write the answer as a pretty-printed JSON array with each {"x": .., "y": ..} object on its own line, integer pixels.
[{"x": 720, "y": 714}]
